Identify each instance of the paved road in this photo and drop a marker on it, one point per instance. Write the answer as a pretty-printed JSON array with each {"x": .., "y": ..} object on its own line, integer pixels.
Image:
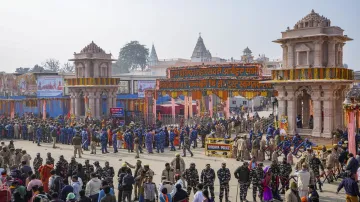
[{"x": 157, "y": 163}]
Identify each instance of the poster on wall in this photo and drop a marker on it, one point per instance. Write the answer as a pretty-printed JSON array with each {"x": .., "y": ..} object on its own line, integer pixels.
[
  {"x": 145, "y": 85},
  {"x": 117, "y": 112},
  {"x": 26, "y": 84},
  {"x": 50, "y": 86}
]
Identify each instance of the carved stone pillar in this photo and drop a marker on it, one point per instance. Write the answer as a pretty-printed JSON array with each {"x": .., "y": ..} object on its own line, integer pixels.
[
  {"x": 77, "y": 105},
  {"x": 109, "y": 101},
  {"x": 299, "y": 108},
  {"x": 297, "y": 58},
  {"x": 307, "y": 58},
  {"x": 306, "y": 111},
  {"x": 87, "y": 69},
  {"x": 291, "y": 109},
  {"x": 315, "y": 96},
  {"x": 328, "y": 111},
  {"x": 290, "y": 55},
  {"x": 114, "y": 99},
  {"x": 98, "y": 106},
  {"x": 331, "y": 53},
  {"x": 282, "y": 111},
  {"x": 284, "y": 47},
  {"x": 190, "y": 107},
  {"x": 72, "y": 103},
  {"x": 318, "y": 53}
]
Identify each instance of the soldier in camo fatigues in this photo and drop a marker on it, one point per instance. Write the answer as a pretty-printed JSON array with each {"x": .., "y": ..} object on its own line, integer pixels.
[
  {"x": 256, "y": 176},
  {"x": 73, "y": 166},
  {"x": 275, "y": 171},
  {"x": 49, "y": 158},
  {"x": 224, "y": 178},
  {"x": 38, "y": 161},
  {"x": 88, "y": 169},
  {"x": 315, "y": 164},
  {"x": 191, "y": 175},
  {"x": 98, "y": 170},
  {"x": 108, "y": 174},
  {"x": 242, "y": 173},
  {"x": 186, "y": 146},
  {"x": 285, "y": 171},
  {"x": 207, "y": 178},
  {"x": 62, "y": 165}
]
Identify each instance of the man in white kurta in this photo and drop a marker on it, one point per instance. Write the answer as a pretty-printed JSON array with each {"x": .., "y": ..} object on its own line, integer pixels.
[{"x": 303, "y": 181}]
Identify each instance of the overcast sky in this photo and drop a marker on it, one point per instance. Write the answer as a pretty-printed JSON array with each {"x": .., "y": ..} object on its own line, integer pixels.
[{"x": 33, "y": 30}]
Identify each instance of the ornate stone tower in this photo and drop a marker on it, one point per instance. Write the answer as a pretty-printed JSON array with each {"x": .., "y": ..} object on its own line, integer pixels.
[
  {"x": 200, "y": 53},
  {"x": 93, "y": 84},
  {"x": 153, "y": 58},
  {"x": 247, "y": 56},
  {"x": 312, "y": 83}
]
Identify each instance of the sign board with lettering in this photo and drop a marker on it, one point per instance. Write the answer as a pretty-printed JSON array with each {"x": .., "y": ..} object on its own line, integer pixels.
[
  {"x": 117, "y": 112},
  {"x": 218, "y": 147}
]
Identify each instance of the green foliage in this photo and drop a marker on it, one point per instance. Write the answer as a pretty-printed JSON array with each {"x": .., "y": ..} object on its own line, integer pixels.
[{"x": 133, "y": 56}]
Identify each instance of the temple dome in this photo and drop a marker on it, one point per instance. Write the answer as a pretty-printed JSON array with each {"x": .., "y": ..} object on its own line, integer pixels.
[
  {"x": 92, "y": 48},
  {"x": 313, "y": 19},
  {"x": 247, "y": 51}
]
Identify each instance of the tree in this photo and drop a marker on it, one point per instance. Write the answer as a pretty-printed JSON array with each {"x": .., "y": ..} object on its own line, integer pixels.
[
  {"x": 133, "y": 56},
  {"x": 22, "y": 70},
  {"x": 67, "y": 68},
  {"x": 52, "y": 65},
  {"x": 37, "y": 68}
]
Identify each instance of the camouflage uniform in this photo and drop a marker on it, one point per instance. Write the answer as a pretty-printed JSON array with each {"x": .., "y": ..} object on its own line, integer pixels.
[
  {"x": 285, "y": 171},
  {"x": 224, "y": 178},
  {"x": 63, "y": 166},
  {"x": 50, "y": 159},
  {"x": 207, "y": 177},
  {"x": 256, "y": 176},
  {"x": 108, "y": 174},
  {"x": 73, "y": 167},
  {"x": 88, "y": 169},
  {"x": 186, "y": 145},
  {"x": 191, "y": 175},
  {"x": 98, "y": 169},
  {"x": 315, "y": 163},
  {"x": 38, "y": 161}
]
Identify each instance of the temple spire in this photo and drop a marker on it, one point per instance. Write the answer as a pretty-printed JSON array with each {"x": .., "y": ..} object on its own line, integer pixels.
[
  {"x": 200, "y": 53},
  {"x": 153, "y": 58}
]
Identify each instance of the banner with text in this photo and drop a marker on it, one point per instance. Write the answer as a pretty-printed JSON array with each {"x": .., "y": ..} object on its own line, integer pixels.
[
  {"x": 221, "y": 84},
  {"x": 117, "y": 112},
  {"x": 216, "y": 71},
  {"x": 50, "y": 86},
  {"x": 145, "y": 85}
]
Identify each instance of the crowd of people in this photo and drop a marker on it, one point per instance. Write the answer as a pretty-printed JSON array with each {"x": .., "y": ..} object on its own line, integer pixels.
[{"x": 62, "y": 181}]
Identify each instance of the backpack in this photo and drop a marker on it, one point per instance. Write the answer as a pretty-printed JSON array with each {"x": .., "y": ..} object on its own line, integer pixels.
[
  {"x": 5, "y": 193},
  {"x": 57, "y": 185},
  {"x": 42, "y": 198}
]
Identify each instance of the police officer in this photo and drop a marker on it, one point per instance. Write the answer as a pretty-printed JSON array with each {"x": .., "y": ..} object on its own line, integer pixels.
[
  {"x": 98, "y": 170},
  {"x": 256, "y": 176},
  {"x": 191, "y": 175},
  {"x": 315, "y": 164},
  {"x": 187, "y": 146},
  {"x": 38, "y": 161},
  {"x": 224, "y": 178},
  {"x": 207, "y": 178},
  {"x": 285, "y": 171},
  {"x": 242, "y": 173}
]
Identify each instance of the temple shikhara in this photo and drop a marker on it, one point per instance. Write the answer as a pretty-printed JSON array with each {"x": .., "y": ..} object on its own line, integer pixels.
[{"x": 312, "y": 82}]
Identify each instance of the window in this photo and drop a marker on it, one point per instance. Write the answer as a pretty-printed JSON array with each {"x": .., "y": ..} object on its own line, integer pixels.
[
  {"x": 124, "y": 87},
  {"x": 136, "y": 87},
  {"x": 244, "y": 102}
]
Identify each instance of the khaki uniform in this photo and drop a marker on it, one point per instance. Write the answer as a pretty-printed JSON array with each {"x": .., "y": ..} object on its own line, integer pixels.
[{"x": 241, "y": 148}]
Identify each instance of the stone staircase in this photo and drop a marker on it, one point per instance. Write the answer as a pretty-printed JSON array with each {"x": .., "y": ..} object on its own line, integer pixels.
[{"x": 304, "y": 131}]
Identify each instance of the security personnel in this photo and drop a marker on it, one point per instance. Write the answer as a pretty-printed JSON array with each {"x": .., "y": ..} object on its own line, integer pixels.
[
  {"x": 191, "y": 175},
  {"x": 285, "y": 171},
  {"x": 108, "y": 174},
  {"x": 315, "y": 164},
  {"x": 104, "y": 141},
  {"x": 187, "y": 146},
  {"x": 242, "y": 173},
  {"x": 256, "y": 176},
  {"x": 172, "y": 139},
  {"x": 224, "y": 178},
  {"x": 207, "y": 178}
]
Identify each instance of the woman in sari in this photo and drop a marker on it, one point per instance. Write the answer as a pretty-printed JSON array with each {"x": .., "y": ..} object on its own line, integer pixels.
[{"x": 267, "y": 194}]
